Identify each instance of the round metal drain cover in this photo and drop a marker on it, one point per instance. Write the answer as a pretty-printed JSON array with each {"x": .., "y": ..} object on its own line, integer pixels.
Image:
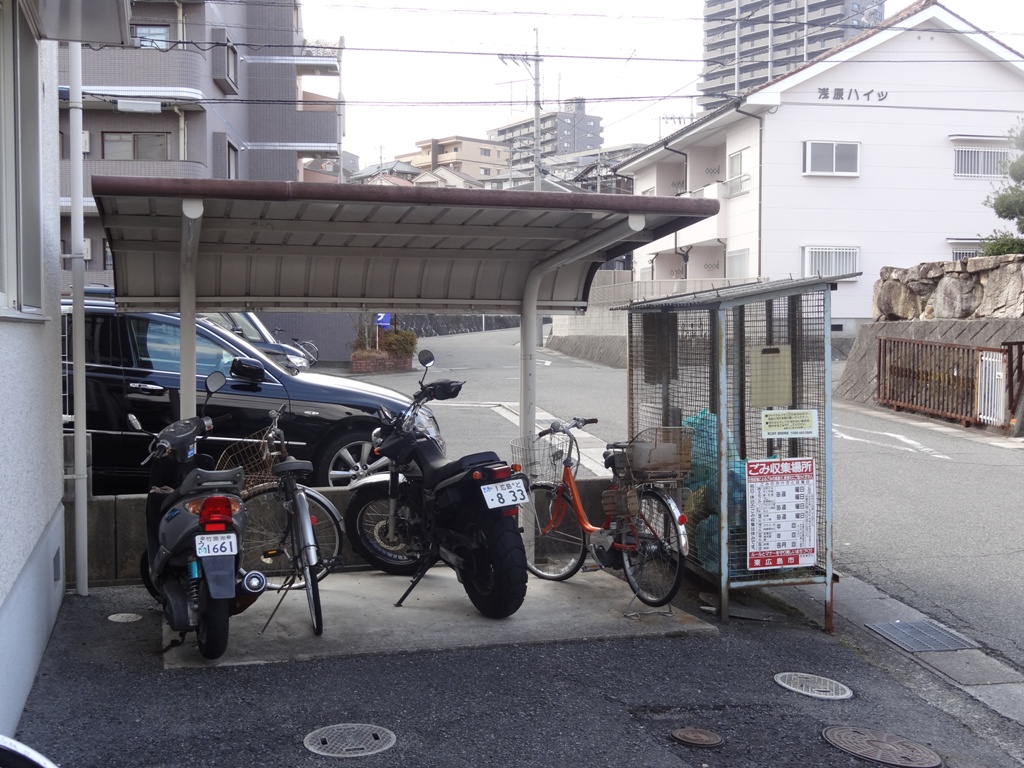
[
  {"x": 349, "y": 740},
  {"x": 696, "y": 737},
  {"x": 881, "y": 747},
  {"x": 813, "y": 685},
  {"x": 124, "y": 618}
]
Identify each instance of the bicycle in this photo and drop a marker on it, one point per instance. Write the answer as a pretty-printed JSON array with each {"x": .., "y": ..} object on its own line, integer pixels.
[
  {"x": 643, "y": 532},
  {"x": 293, "y": 534},
  {"x": 309, "y": 349}
]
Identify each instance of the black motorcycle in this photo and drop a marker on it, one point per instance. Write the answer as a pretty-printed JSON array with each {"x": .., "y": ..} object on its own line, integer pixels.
[
  {"x": 462, "y": 512},
  {"x": 195, "y": 518}
]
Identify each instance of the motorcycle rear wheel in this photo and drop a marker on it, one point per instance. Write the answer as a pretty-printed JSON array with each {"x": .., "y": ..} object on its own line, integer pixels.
[
  {"x": 212, "y": 630},
  {"x": 365, "y": 519},
  {"x": 494, "y": 571}
]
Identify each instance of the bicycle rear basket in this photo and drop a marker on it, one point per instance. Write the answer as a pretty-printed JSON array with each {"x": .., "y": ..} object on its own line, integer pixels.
[
  {"x": 541, "y": 457},
  {"x": 660, "y": 453},
  {"x": 251, "y": 454}
]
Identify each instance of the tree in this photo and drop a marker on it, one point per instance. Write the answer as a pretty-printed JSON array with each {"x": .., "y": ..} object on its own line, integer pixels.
[{"x": 1008, "y": 203}]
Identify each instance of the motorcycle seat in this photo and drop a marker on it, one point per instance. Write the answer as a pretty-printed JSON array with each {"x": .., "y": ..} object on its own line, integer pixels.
[
  {"x": 200, "y": 481},
  {"x": 437, "y": 473}
]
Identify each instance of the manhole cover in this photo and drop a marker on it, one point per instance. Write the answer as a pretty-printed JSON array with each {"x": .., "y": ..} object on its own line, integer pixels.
[
  {"x": 349, "y": 740},
  {"x": 881, "y": 747},
  {"x": 696, "y": 737},
  {"x": 813, "y": 685},
  {"x": 917, "y": 636},
  {"x": 124, "y": 618}
]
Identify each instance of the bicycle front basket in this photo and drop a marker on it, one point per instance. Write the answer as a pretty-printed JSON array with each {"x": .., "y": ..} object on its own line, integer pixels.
[
  {"x": 541, "y": 457},
  {"x": 250, "y": 453}
]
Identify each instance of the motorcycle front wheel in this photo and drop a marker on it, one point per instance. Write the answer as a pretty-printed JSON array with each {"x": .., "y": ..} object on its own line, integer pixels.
[
  {"x": 212, "y": 630},
  {"x": 366, "y": 521},
  {"x": 494, "y": 567}
]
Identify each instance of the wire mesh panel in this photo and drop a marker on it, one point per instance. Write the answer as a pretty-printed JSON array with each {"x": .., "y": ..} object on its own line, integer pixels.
[{"x": 749, "y": 377}]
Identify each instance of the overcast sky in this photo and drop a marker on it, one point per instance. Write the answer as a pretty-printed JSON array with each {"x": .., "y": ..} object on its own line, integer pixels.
[{"x": 421, "y": 69}]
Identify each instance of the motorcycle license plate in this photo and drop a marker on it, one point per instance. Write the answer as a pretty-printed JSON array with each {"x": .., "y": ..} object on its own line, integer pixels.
[
  {"x": 209, "y": 544},
  {"x": 505, "y": 494}
]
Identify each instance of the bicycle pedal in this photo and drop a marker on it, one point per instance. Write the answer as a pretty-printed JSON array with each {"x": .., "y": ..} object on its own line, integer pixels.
[
  {"x": 591, "y": 567},
  {"x": 271, "y": 554}
]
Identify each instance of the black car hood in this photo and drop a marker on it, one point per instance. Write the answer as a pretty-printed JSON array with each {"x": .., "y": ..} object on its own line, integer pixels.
[{"x": 352, "y": 392}]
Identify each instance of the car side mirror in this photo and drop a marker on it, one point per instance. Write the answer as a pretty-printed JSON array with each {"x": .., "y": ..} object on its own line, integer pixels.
[{"x": 249, "y": 369}]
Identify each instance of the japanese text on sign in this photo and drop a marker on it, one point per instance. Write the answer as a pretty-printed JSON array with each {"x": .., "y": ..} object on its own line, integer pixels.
[
  {"x": 782, "y": 517},
  {"x": 779, "y": 424},
  {"x": 851, "y": 94}
]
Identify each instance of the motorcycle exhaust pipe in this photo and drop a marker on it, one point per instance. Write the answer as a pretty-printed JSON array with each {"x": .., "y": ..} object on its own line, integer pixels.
[{"x": 249, "y": 588}]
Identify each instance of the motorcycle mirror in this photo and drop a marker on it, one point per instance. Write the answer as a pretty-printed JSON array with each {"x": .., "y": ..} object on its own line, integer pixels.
[
  {"x": 134, "y": 423},
  {"x": 426, "y": 358},
  {"x": 215, "y": 381}
]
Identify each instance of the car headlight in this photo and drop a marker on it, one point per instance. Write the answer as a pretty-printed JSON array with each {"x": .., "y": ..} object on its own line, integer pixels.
[
  {"x": 427, "y": 425},
  {"x": 298, "y": 361}
]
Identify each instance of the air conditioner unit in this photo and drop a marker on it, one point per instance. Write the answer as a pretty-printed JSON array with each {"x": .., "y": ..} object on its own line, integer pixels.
[{"x": 85, "y": 142}]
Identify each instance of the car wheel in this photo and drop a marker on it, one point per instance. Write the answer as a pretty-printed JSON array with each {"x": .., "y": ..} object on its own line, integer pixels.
[{"x": 346, "y": 458}]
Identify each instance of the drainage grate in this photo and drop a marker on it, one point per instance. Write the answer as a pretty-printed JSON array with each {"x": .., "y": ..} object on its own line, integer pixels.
[
  {"x": 349, "y": 740},
  {"x": 881, "y": 747},
  {"x": 918, "y": 636},
  {"x": 813, "y": 685}
]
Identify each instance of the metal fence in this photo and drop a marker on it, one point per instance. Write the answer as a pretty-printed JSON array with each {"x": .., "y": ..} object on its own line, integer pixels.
[{"x": 969, "y": 385}]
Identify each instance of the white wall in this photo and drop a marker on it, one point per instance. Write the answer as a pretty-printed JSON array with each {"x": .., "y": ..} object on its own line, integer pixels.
[
  {"x": 31, "y": 463},
  {"x": 906, "y": 202}
]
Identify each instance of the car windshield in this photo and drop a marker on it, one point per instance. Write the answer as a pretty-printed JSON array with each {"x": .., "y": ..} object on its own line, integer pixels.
[
  {"x": 238, "y": 323},
  {"x": 248, "y": 350}
]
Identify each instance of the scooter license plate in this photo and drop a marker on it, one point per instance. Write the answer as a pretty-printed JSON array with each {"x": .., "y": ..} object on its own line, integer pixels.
[
  {"x": 209, "y": 544},
  {"x": 505, "y": 494}
]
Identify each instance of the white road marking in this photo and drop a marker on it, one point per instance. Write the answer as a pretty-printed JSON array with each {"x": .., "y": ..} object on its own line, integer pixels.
[{"x": 910, "y": 445}]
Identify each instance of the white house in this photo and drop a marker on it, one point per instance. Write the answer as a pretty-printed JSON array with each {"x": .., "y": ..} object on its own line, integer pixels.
[
  {"x": 880, "y": 153},
  {"x": 31, "y": 465}
]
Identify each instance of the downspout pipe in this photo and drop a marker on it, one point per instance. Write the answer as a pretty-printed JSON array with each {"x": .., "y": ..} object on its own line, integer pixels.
[
  {"x": 628, "y": 229},
  {"x": 81, "y": 478},
  {"x": 760, "y": 184}
]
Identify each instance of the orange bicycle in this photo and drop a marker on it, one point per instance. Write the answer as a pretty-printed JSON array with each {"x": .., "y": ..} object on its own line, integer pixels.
[{"x": 643, "y": 532}]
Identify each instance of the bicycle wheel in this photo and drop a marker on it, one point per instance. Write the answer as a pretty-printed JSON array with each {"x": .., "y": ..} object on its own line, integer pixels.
[
  {"x": 268, "y": 529},
  {"x": 555, "y": 544},
  {"x": 310, "y": 350},
  {"x": 652, "y": 557}
]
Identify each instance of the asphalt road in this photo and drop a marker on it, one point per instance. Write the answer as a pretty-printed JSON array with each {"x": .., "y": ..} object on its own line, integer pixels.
[{"x": 105, "y": 697}]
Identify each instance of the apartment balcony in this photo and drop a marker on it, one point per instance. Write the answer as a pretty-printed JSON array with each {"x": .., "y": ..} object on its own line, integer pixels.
[
  {"x": 173, "y": 169},
  {"x": 713, "y": 228},
  {"x": 174, "y": 75}
]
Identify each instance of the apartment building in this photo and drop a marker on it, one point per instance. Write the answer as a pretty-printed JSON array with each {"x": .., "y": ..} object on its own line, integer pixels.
[
  {"x": 208, "y": 90},
  {"x": 476, "y": 158},
  {"x": 879, "y": 154},
  {"x": 750, "y": 42},
  {"x": 562, "y": 132}
]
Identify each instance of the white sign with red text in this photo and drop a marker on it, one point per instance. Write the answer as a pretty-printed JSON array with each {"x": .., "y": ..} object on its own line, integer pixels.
[{"x": 782, "y": 530}]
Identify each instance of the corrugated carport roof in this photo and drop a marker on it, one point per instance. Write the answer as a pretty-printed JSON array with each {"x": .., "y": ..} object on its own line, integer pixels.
[{"x": 298, "y": 245}]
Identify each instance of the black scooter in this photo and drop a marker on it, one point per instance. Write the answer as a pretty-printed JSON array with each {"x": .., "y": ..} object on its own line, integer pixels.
[{"x": 195, "y": 518}]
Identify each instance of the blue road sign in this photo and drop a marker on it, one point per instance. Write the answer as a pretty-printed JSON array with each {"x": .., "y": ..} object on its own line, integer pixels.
[{"x": 383, "y": 320}]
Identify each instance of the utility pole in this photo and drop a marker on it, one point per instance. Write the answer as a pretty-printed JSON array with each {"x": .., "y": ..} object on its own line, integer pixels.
[{"x": 532, "y": 64}]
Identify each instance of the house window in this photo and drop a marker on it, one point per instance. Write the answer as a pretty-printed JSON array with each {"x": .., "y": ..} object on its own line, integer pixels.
[
  {"x": 964, "y": 253},
  {"x": 135, "y": 146},
  {"x": 737, "y": 263},
  {"x": 152, "y": 35},
  {"x": 108, "y": 255},
  {"x": 831, "y": 158},
  {"x": 21, "y": 247},
  {"x": 829, "y": 260},
  {"x": 485, "y": 171},
  {"x": 485, "y": 152},
  {"x": 981, "y": 162},
  {"x": 737, "y": 182}
]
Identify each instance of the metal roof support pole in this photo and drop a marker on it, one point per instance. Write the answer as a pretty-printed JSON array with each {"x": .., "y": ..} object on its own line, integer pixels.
[
  {"x": 81, "y": 475},
  {"x": 191, "y": 223},
  {"x": 624, "y": 230}
]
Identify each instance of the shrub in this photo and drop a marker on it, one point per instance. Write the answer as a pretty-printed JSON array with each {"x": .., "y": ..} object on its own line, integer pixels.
[
  {"x": 398, "y": 343},
  {"x": 999, "y": 243}
]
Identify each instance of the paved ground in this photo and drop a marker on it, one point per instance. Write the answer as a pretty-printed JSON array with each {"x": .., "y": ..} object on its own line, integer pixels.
[{"x": 567, "y": 680}]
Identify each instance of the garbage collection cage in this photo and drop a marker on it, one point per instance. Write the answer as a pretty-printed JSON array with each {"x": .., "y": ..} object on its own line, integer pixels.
[{"x": 748, "y": 369}]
